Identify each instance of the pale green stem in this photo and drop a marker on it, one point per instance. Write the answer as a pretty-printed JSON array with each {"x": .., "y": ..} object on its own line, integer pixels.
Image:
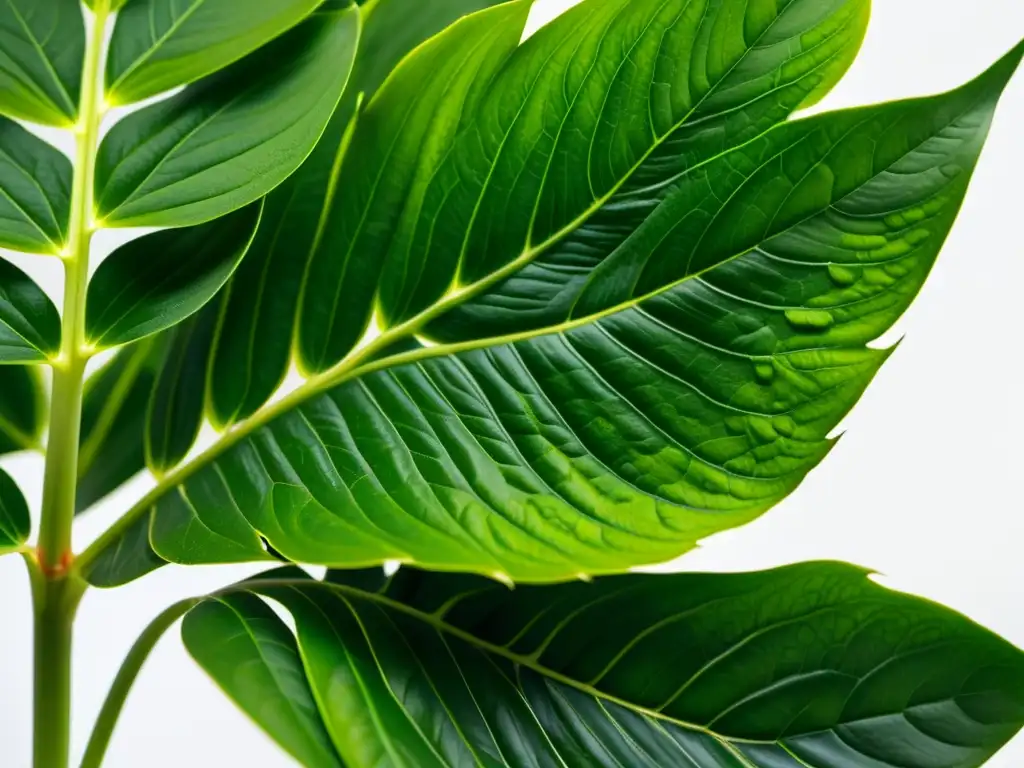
[{"x": 57, "y": 597}]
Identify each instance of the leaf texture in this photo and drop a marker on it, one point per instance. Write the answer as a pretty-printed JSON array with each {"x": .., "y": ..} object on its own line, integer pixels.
[
  {"x": 35, "y": 192},
  {"x": 808, "y": 666},
  {"x": 42, "y": 47},
  {"x": 230, "y": 139},
  {"x": 585, "y": 379},
  {"x": 158, "y": 45},
  {"x": 29, "y": 323},
  {"x": 158, "y": 280}
]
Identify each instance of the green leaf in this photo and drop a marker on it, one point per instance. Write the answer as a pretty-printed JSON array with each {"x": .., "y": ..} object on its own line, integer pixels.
[
  {"x": 175, "y": 412},
  {"x": 670, "y": 365},
  {"x": 808, "y": 665},
  {"x": 229, "y": 634},
  {"x": 452, "y": 196},
  {"x": 158, "y": 45},
  {"x": 15, "y": 523},
  {"x": 22, "y": 408},
  {"x": 231, "y": 138},
  {"x": 35, "y": 192},
  {"x": 114, "y": 419},
  {"x": 29, "y": 323},
  {"x": 158, "y": 280},
  {"x": 41, "y": 60},
  {"x": 254, "y": 346}
]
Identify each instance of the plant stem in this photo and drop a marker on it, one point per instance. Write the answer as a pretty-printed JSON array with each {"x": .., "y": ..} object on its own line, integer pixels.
[
  {"x": 57, "y": 597},
  {"x": 103, "y": 730}
]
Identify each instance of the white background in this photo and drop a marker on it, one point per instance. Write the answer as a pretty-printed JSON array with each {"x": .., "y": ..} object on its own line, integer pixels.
[{"x": 926, "y": 486}]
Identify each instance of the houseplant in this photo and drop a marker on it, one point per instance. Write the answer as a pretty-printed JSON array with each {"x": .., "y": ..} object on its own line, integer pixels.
[{"x": 560, "y": 308}]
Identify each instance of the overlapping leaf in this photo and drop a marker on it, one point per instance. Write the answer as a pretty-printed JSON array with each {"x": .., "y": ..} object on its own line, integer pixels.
[
  {"x": 252, "y": 347},
  {"x": 41, "y": 54},
  {"x": 231, "y": 138},
  {"x": 15, "y": 524},
  {"x": 809, "y": 666},
  {"x": 624, "y": 367},
  {"x": 158, "y": 45}
]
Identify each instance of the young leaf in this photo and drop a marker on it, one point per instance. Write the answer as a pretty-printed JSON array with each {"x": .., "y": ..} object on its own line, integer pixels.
[
  {"x": 175, "y": 412},
  {"x": 41, "y": 60},
  {"x": 254, "y": 346},
  {"x": 35, "y": 192},
  {"x": 114, "y": 419},
  {"x": 15, "y": 523},
  {"x": 240, "y": 631},
  {"x": 158, "y": 280},
  {"x": 29, "y": 323},
  {"x": 808, "y": 665},
  {"x": 231, "y": 138},
  {"x": 22, "y": 408},
  {"x": 668, "y": 367},
  {"x": 158, "y": 45}
]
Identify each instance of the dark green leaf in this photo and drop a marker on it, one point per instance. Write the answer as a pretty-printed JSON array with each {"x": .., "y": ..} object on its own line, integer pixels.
[
  {"x": 230, "y": 139},
  {"x": 158, "y": 45},
  {"x": 175, "y": 412},
  {"x": 42, "y": 46},
  {"x": 114, "y": 419},
  {"x": 22, "y": 408},
  {"x": 253, "y": 656},
  {"x": 158, "y": 280},
  {"x": 35, "y": 192},
  {"x": 29, "y": 323},
  {"x": 808, "y": 665},
  {"x": 15, "y": 523}
]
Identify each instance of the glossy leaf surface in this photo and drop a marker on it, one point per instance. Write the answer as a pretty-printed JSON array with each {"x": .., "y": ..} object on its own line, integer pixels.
[
  {"x": 42, "y": 45},
  {"x": 114, "y": 419},
  {"x": 35, "y": 192},
  {"x": 231, "y": 138},
  {"x": 158, "y": 45},
  {"x": 158, "y": 280},
  {"x": 254, "y": 345},
  {"x": 808, "y": 666},
  {"x": 254, "y": 658},
  {"x": 29, "y": 323},
  {"x": 22, "y": 408},
  {"x": 15, "y": 524},
  {"x": 663, "y": 365}
]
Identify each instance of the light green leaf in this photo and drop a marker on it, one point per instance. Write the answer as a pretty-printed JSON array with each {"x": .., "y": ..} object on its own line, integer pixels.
[
  {"x": 254, "y": 346},
  {"x": 114, "y": 419},
  {"x": 158, "y": 280},
  {"x": 808, "y": 665},
  {"x": 230, "y": 139},
  {"x": 42, "y": 47},
  {"x": 15, "y": 523},
  {"x": 35, "y": 192},
  {"x": 158, "y": 45},
  {"x": 667, "y": 365},
  {"x": 22, "y": 408},
  {"x": 240, "y": 632},
  {"x": 175, "y": 412},
  {"x": 29, "y": 323}
]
